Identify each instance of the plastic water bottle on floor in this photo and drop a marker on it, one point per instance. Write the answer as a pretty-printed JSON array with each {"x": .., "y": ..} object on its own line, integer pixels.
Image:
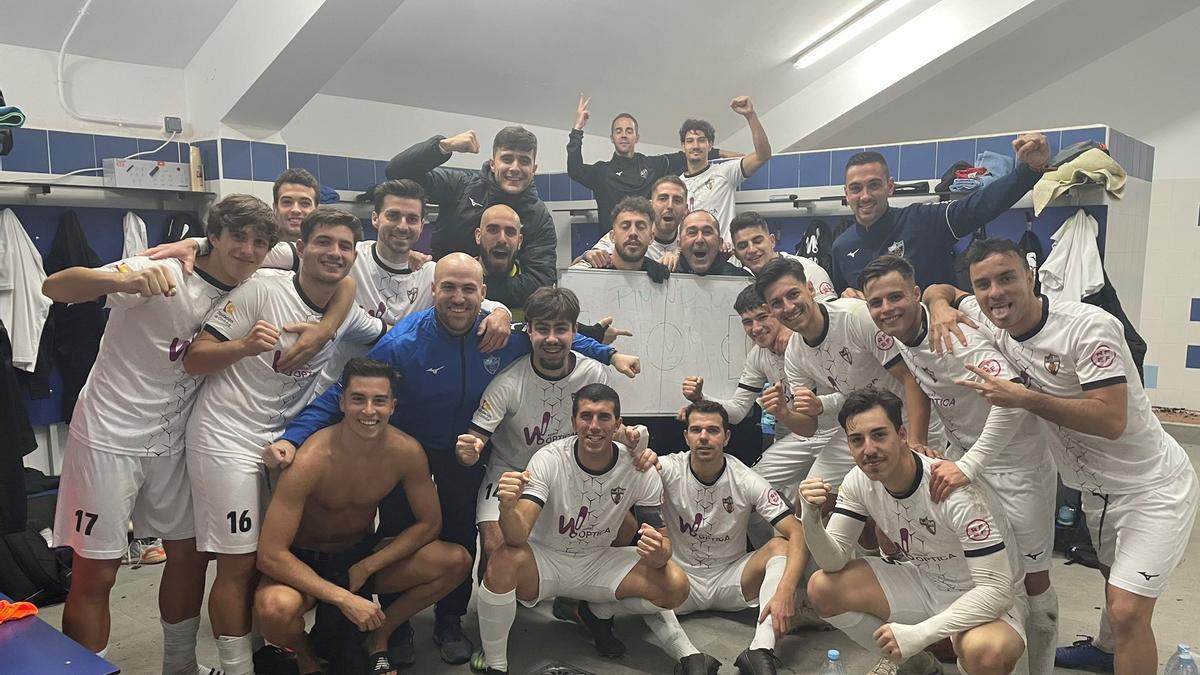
[
  {"x": 833, "y": 664},
  {"x": 1182, "y": 662}
]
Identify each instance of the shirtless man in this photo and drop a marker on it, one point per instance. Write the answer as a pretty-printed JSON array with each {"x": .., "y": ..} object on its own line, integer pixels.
[{"x": 318, "y": 543}]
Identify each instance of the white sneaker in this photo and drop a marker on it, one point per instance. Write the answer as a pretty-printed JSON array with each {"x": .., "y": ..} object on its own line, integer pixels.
[
  {"x": 145, "y": 552},
  {"x": 924, "y": 663}
]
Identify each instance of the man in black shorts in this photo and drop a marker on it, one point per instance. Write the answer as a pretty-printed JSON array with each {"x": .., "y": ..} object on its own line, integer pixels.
[{"x": 319, "y": 546}]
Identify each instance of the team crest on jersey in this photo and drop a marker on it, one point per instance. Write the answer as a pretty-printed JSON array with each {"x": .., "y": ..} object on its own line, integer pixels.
[
  {"x": 826, "y": 287},
  {"x": 491, "y": 364},
  {"x": 412, "y": 294},
  {"x": 845, "y": 353},
  {"x": 884, "y": 341},
  {"x": 122, "y": 267},
  {"x": 1104, "y": 356},
  {"x": 485, "y": 406},
  {"x": 897, "y": 248},
  {"x": 990, "y": 366},
  {"x": 1052, "y": 363},
  {"x": 929, "y": 524},
  {"x": 616, "y": 494},
  {"x": 645, "y": 172},
  {"x": 228, "y": 308},
  {"x": 727, "y": 502},
  {"x": 978, "y": 530}
]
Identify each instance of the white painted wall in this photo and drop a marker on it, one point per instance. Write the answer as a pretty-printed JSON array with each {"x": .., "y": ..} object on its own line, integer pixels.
[
  {"x": 359, "y": 128},
  {"x": 96, "y": 87}
]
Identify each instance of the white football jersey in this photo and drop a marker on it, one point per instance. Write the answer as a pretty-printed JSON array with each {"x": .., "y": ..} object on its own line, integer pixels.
[
  {"x": 763, "y": 368},
  {"x": 523, "y": 411},
  {"x": 655, "y": 251},
  {"x": 817, "y": 276},
  {"x": 248, "y": 404},
  {"x": 581, "y": 510},
  {"x": 937, "y": 538},
  {"x": 137, "y": 398},
  {"x": 963, "y": 410},
  {"x": 386, "y": 291},
  {"x": 852, "y": 353},
  {"x": 713, "y": 190},
  {"x": 283, "y": 256},
  {"x": 708, "y": 522},
  {"x": 1075, "y": 348}
]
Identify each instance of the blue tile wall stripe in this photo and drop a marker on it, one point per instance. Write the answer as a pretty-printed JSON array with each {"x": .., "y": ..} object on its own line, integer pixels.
[
  {"x": 30, "y": 151},
  {"x": 917, "y": 162},
  {"x": 1193, "y": 356},
  {"x": 837, "y": 168},
  {"x": 580, "y": 191},
  {"x": 307, "y": 161},
  {"x": 759, "y": 180},
  {"x": 361, "y": 173},
  {"x": 209, "y": 159},
  {"x": 541, "y": 181},
  {"x": 560, "y": 187},
  {"x": 949, "y": 152},
  {"x": 891, "y": 153},
  {"x": 267, "y": 160},
  {"x": 1195, "y": 314},
  {"x": 783, "y": 171},
  {"x": 236, "y": 163},
  {"x": 815, "y": 169},
  {"x": 70, "y": 151},
  {"x": 1151, "y": 376},
  {"x": 335, "y": 171}
]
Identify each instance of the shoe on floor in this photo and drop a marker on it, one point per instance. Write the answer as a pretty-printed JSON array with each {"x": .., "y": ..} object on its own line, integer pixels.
[
  {"x": 145, "y": 552},
  {"x": 756, "y": 662},
  {"x": 479, "y": 661},
  {"x": 697, "y": 664},
  {"x": 1084, "y": 655},
  {"x": 272, "y": 660},
  {"x": 401, "y": 652},
  {"x": 607, "y": 644},
  {"x": 448, "y": 634},
  {"x": 564, "y": 609}
]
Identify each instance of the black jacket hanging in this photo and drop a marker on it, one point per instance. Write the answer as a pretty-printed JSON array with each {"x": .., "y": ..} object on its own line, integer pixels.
[
  {"x": 16, "y": 441},
  {"x": 75, "y": 329},
  {"x": 817, "y": 244}
]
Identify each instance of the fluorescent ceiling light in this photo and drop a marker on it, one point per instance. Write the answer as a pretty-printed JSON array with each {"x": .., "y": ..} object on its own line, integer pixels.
[{"x": 846, "y": 29}]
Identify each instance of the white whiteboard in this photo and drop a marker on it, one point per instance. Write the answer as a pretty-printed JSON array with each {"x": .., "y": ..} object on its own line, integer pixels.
[{"x": 685, "y": 326}]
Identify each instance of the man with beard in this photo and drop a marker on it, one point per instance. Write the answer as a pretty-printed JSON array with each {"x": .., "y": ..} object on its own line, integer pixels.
[
  {"x": 628, "y": 173},
  {"x": 1138, "y": 488},
  {"x": 712, "y": 496},
  {"x": 954, "y": 573},
  {"x": 631, "y": 235},
  {"x": 1004, "y": 447},
  {"x": 387, "y": 286},
  {"x": 462, "y": 197},
  {"x": 923, "y": 233},
  {"x": 247, "y": 399},
  {"x": 668, "y": 199},
  {"x": 442, "y": 377},
  {"x": 558, "y": 540},
  {"x": 700, "y": 247}
]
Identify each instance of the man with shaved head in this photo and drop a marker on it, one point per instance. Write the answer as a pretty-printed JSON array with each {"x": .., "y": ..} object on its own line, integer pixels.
[{"x": 442, "y": 376}]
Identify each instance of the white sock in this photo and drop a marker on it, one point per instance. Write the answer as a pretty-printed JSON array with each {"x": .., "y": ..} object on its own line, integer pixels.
[
  {"x": 1041, "y": 633},
  {"x": 1104, "y": 639},
  {"x": 669, "y": 634},
  {"x": 179, "y": 646},
  {"x": 764, "y": 633},
  {"x": 496, "y": 614},
  {"x": 236, "y": 656},
  {"x": 860, "y": 627}
]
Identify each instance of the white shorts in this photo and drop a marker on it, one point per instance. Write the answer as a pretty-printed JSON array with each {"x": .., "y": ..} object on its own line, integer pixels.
[
  {"x": 100, "y": 492},
  {"x": 1028, "y": 496},
  {"x": 716, "y": 588},
  {"x": 230, "y": 496},
  {"x": 593, "y": 577},
  {"x": 487, "y": 504},
  {"x": 1142, "y": 536},
  {"x": 913, "y": 600},
  {"x": 787, "y": 461}
]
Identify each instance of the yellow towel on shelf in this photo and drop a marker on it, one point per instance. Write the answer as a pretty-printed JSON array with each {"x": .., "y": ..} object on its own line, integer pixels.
[{"x": 1093, "y": 166}]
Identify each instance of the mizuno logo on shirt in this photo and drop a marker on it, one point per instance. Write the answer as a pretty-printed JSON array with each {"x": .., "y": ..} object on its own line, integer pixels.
[
  {"x": 853, "y": 253},
  {"x": 618, "y": 173},
  {"x": 474, "y": 203},
  {"x": 1148, "y": 576},
  {"x": 435, "y": 371}
]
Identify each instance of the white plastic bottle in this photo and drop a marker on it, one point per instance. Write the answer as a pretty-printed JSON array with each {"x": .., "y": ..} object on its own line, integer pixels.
[
  {"x": 833, "y": 664},
  {"x": 1182, "y": 662}
]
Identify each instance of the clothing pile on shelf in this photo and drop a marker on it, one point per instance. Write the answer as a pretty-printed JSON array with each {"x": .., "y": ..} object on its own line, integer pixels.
[
  {"x": 988, "y": 167},
  {"x": 1093, "y": 166}
]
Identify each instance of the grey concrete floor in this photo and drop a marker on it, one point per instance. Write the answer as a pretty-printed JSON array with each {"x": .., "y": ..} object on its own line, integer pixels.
[{"x": 538, "y": 639}]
